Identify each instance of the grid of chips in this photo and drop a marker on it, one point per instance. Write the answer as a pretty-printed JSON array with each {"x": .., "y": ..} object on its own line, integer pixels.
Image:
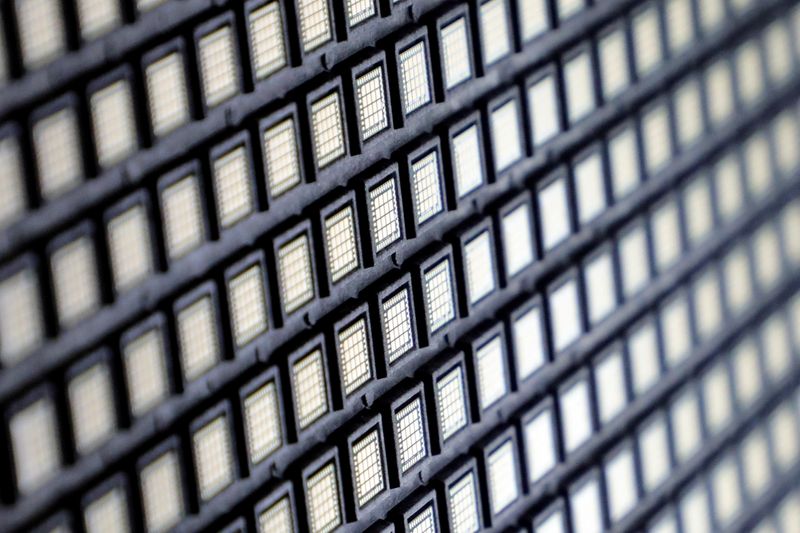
[{"x": 508, "y": 264}]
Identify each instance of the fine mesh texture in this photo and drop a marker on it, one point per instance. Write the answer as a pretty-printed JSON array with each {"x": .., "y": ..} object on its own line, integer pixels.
[{"x": 297, "y": 265}]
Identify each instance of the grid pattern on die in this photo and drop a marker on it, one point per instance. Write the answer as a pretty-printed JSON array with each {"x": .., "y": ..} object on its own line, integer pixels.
[
  {"x": 266, "y": 40},
  {"x": 502, "y": 472},
  {"x": 467, "y": 163},
  {"x": 213, "y": 457},
  {"x": 662, "y": 235},
  {"x": 506, "y": 136},
  {"x": 495, "y": 33},
  {"x": 427, "y": 186},
  {"x": 262, "y": 419},
  {"x": 315, "y": 23},
  {"x": 96, "y": 17},
  {"x": 12, "y": 180},
  {"x": 278, "y": 517},
  {"x": 424, "y": 521},
  {"x": 218, "y": 66},
  {"x": 528, "y": 342},
  {"x": 359, "y": 10},
  {"x": 35, "y": 444},
  {"x": 21, "y": 320},
  {"x": 326, "y": 123},
  {"x": 462, "y": 503},
  {"x": 248, "y": 305},
  {"x": 451, "y": 400},
  {"x": 75, "y": 281},
  {"x": 182, "y": 213},
  {"x": 410, "y": 435},
  {"x": 310, "y": 389},
  {"x": 414, "y": 81},
  {"x": 384, "y": 212},
  {"x": 57, "y": 149},
  {"x": 399, "y": 337},
  {"x": 368, "y": 467},
  {"x": 518, "y": 248},
  {"x": 322, "y": 498},
  {"x": 480, "y": 269},
  {"x": 282, "y": 161},
  {"x": 114, "y": 123},
  {"x": 455, "y": 53},
  {"x": 108, "y": 513},
  {"x": 371, "y": 103},
  {"x": 232, "y": 188},
  {"x": 130, "y": 248},
  {"x": 491, "y": 371},
  {"x": 145, "y": 371},
  {"x": 340, "y": 243},
  {"x": 294, "y": 270},
  {"x": 3, "y": 62},
  {"x": 42, "y": 34},
  {"x": 354, "y": 356},
  {"x": 162, "y": 492},
  {"x": 92, "y": 406},
  {"x": 167, "y": 94},
  {"x": 198, "y": 338},
  {"x": 439, "y": 295}
]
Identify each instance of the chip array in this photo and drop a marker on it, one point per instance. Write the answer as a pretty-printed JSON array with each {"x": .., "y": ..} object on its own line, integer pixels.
[{"x": 399, "y": 265}]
